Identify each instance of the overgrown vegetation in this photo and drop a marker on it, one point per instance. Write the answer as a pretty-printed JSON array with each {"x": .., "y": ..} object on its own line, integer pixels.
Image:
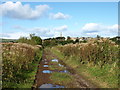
[
  {"x": 33, "y": 40},
  {"x": 98, "y": 61},
  {"x": 116, "y": 39},
  {"x": 19, "y": 65}
]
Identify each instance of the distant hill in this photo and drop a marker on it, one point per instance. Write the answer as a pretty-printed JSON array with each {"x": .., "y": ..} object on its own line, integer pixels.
[{"x": 8, "y": 40}]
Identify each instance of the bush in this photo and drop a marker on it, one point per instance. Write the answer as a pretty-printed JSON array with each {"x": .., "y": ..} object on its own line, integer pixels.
[
  {"x": 18, "y": 61},
  {"x": 34, "y": 40},
  {"x": 99, "y": 53}
]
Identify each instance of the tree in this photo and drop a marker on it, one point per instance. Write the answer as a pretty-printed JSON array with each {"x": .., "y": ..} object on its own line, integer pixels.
[
  {"x": 49, "y": 43},
  {"x": 98, "y": 37},
  {"x": 32, "y": 35},
  {"x": 34, "y": 40},
  {"x": 60, "y": 38},
  {"x": 22, "y": 40},
  {"x": 77, "y": 40},
  {"x": 68, "y": 38}
]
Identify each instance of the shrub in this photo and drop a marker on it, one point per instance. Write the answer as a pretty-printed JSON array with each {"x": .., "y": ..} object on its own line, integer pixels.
[
  {"x": 17, "y": 63},
  {"x": 99, "y": 53},
  {"x": 34, "y": 40}
]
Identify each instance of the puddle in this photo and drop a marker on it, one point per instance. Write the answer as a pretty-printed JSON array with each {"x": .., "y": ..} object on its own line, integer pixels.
[
  {"x": 45, "y": 65},
  {"x": 61, "y": 65},
  {"x": 54, "y": 60},
  {"x": 47, "y": 71},
  {"x": 51, "y": 86},
  {"x": 64, "y": 71}
]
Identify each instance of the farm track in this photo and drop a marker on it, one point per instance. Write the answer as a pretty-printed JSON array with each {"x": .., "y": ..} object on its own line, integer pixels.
[{"x": 44, "y": 78}]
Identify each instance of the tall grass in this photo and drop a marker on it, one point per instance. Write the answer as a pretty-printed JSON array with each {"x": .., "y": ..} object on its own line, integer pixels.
[
  {"x": 99, "y": 53},
  {"x": 19, "y": 64},
  {"x": 98, "y": 61}
]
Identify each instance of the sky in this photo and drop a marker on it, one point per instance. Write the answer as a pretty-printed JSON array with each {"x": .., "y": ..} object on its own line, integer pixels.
[{"x": 49, "y": 19}]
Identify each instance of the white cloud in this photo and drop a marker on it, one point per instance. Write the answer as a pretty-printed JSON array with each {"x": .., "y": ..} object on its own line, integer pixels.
[
  {"x": 61, "y": 28},
  {"x": 98, "y": 27},
  {"x": 4, "y": 35},
  {"x": 59, "y": 15},
  {"x": 47, "y": 32},
  {"x": 14, "y": 35},
  {"x": 17, "y": 35},
  {"x": 113, "y": 27},
  {"x": 93, "y": 29},
  {"x": 43, "y": 32},
  {"x": 92, "y": 34},
  {"x": 19, "y": 11}
]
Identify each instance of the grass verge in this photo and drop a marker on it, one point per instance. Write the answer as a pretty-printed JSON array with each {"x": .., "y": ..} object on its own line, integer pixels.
[
  {"x": 61, "y": 79},
  {"x": 104, "y": 78}
]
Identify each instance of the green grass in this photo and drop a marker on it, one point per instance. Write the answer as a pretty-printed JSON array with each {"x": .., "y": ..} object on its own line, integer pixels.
[
  {"x": 61, "y": 78},
  {"x": 31, "y": 75},
  {"x": 105, "y": 77},
  {"x": 102, "y": 77},
  {"x": 56, "y": 67},
  {"x": 71, "y": 61},
  {"x": 30, "y": 79}
]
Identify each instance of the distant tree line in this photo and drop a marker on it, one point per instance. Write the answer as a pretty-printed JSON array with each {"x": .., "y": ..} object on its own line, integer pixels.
[
  {"x": 36, "y": 40},
  {"x": 58, "y": 41},
  {"x": 8, "y": 40}
]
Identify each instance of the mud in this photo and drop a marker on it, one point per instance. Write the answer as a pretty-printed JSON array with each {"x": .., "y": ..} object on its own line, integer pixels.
[
  {"x": 42, "y": 78},
  {"x": 43, "y": 74}
]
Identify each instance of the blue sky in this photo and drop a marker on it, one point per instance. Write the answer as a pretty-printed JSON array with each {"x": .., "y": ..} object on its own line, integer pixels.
[{"x": 49, "y": 19}]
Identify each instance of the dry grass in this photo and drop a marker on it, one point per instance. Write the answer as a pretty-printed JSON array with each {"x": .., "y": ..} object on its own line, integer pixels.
[
  {"x": 18, "y": 59},
  {"x": 97, "y": 61}
]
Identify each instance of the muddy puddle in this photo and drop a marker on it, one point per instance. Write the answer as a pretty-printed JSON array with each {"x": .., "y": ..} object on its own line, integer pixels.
[
  {"x": 45, "y": 65},
  {"x": 61, "y": 65},
  {"x": 45, "y": 72},
  {"x": 51, "y": 86},
  {"x": 54, "y": 60},
  {"x": 51, "y": 71},
  {"x": 58, "y": 64}
]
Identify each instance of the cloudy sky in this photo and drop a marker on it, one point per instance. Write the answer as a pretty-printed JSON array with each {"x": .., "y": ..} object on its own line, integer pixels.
[{"x": 49, "y": 19}]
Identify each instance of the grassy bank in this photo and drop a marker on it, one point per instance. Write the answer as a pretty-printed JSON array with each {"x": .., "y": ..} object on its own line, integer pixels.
[
  {"x": 20, "y": 63},
  {"x": 93, "y": 68}
]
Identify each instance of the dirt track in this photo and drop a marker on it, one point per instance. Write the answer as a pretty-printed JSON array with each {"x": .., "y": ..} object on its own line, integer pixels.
[{"x": 44, "y": 78}]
